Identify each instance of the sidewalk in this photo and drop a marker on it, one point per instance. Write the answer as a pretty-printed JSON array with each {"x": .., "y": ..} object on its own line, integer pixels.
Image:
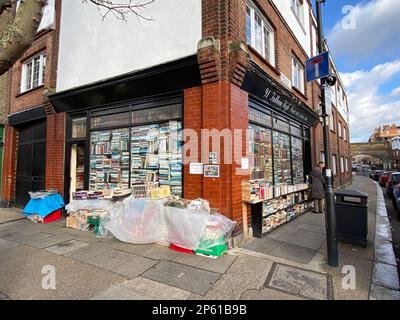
[{"x": 287, "y": 264}]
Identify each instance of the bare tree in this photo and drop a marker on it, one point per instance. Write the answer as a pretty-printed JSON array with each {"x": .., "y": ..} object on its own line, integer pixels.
[{"x": 18, "y": 27}]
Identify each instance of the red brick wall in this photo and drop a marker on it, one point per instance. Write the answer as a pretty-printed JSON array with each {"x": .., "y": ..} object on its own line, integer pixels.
[{"x": 9, "y": 165}]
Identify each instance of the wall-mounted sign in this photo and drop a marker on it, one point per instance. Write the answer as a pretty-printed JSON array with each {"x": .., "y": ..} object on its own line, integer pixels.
[
  {"x": 277, "y": 97},
  {"x": 245, "y": 164},
  {"x": 196, "y": 168},
  {"x": 211, "y": 171}
]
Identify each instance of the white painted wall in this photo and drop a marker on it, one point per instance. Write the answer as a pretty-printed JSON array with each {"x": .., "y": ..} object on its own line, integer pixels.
[
  {"x": 301, "y": 33},
  {"x": 92, "y": 49}
]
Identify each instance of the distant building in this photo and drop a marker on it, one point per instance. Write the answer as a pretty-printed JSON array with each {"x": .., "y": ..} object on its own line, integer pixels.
[
  {"x": 385, "y": 133},
  {"x": 395, "y": 142}
]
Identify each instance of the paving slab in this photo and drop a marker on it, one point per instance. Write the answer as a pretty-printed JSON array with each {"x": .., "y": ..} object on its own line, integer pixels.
[
  {"x": 156, "y": 289},
  {"x": 246, "y": 273},
  {"x": 66, "y": 247},
  {"x": 384, "y": 252},
  {"x": 5, "y": 244},
  {"x": 135, "y": 267},
  {"x": 111, "y": 259},
  {"x": 299, "y": 282},
  {"x": 294, "y": 253},
  {"x": 386, "y": 275},
  {"x": 35, "y": 237},
  {"x": 264, "y": 245},
  {"x": 133, "y": 248},
  {"x": 10, "y": 215},
  {"x": 219, "y": 265},
  {"x": 21, "y": 276},
  {"x": 311, "y": 227},
  {"x": 118, "y": 292},
  {"x": 318, "y": 237},
  {"x": 185, "y": 277},
  {"x": 189, "y": 259},
  {"x": 158, "y": 252},
  {"x": 88, "y": 252},
  {"x": 301, "y": 241},
  {"x": 50, "y": 241},
  {"x": 382, "y": 293}
]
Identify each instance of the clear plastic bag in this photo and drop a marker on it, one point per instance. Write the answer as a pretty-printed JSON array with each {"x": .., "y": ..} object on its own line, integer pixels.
[
  {"x": 218, "y": 231},
  {"x": 138, "y": 221},
  {"x": 76, "y": 205},
  {"x": 185, "y": 226}
]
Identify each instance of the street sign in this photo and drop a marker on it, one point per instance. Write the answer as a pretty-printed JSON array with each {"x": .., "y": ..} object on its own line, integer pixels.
[
  {"x": 317, "y": 67},
  {"x": 328, "y": 99}
]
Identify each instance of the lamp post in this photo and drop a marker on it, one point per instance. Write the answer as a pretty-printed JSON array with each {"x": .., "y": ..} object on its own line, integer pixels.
[{"x": 330, "y": 214}]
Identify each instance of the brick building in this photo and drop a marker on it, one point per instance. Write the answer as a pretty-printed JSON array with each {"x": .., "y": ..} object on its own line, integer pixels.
[
  {"x": 385, "y": 133},
  {"x": 238, "y": 65}
]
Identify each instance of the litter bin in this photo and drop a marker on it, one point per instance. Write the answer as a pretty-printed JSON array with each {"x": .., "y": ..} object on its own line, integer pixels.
[{"x": 352, "y": 217}]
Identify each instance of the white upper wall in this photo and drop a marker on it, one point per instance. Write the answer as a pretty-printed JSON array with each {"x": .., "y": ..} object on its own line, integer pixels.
[
  {"x": 93, "y": 49},
  {"x": 301, "y": 31}
]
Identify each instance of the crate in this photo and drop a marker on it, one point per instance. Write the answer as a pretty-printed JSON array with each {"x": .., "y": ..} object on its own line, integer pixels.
[
  {"x": 213, "y": 251},
  {"x": 54, "y": 216}
]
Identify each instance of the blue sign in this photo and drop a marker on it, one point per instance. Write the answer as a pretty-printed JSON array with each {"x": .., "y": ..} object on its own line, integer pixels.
[{"x": 317, "y": 67}]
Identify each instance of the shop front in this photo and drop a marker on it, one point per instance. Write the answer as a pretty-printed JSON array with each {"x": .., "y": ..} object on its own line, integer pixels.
[
  {"x": 127, "y": 131},
  {"x": 280, "y": 153}
]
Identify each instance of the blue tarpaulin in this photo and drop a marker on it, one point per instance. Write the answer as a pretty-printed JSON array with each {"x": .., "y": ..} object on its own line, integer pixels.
[{"x": 44, "y": 207}]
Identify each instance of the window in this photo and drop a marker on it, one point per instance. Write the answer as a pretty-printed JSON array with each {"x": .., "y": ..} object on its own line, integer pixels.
[
  {"x": 344, "y": 133},
  {"x": 340, "y": 129},
  {"x": 334, "y": 168},
  {"x": 297, "y": 75},
  {"x": 260, "y": 34},
  {"x": 332, "y": 122},
  {"x": 33, "y": 72},
  {"x": 322, "y": 156},
  {"x": 298, "y": 10},
  {"x": 341, "y": 164},
  {"x": 347, "y": 164},
  {"x": 79, "y": 128}
]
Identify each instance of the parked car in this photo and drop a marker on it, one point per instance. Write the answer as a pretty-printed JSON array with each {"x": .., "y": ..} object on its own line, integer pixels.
[
  {"x": 383, "y": 178},
  {"x": 372, "y": 174},
  {"x": 393, "y": 180},
  {"x": 396, "y": 199}
]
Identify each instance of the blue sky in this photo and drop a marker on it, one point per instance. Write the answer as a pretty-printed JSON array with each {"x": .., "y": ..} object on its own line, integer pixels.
[{"x": 364, "y": 38}]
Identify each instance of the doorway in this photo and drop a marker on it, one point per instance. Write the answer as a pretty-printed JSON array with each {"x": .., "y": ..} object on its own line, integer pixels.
[
  {"x": 77, "y": 168},
  {"x": 31, "y": 161}
]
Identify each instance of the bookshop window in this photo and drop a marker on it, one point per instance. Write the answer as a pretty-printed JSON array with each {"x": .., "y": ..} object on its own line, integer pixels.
[
  {"x": 157, "y": 114},
  {"x": 110, "y": 120},
  {"x": 78, "y": 128},
  {"x": 260, "y": 117},
  {"x": 297, "y": 161},
  {"x": 281, "y": 125},
  {"x": 282, "y": 170},
  {"x": 261, "y": 153},
  {"x": 297, "y": 131}
]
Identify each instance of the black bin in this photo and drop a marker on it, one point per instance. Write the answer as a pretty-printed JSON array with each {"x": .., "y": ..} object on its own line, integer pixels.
[{"x": 352, "y": 217}]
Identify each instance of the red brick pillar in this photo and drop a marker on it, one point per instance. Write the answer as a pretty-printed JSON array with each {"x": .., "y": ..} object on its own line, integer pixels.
[
  {"x": 9, "y": 165},
  {"x": 55, "y": 152}
]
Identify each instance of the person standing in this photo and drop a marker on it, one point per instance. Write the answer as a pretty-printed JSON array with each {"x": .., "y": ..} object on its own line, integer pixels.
[{"x": 317, "y": 187}]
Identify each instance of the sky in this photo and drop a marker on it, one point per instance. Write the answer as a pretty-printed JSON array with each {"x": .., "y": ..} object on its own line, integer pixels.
[{"x": 364, "y": 39}]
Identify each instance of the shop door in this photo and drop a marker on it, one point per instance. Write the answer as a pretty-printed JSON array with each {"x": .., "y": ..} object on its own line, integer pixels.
[
  {"x": 31, "y": 161},
  {"x": 77, "y": 168}
]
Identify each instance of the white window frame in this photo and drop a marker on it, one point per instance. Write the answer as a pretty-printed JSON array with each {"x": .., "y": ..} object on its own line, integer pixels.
[
  {"x": 322, "y": 156},
  {"x": 340, "y": 129},
  {"x": 25, "y": 86},
  {"x": 298, "y": 10},
  {"x": 298, "y": 75},
  {"x": 341, "y": 164},
  {"x": 347, "y": 164},
  {"x": 265, "y": 25},
  {"x": 334, "y": 164},
  {"x": 332, "y": 122},
  {"x": 344, "y": 133}
]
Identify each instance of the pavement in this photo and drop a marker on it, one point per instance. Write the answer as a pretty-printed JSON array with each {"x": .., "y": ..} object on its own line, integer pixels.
[{"x": 50, "y": 261}]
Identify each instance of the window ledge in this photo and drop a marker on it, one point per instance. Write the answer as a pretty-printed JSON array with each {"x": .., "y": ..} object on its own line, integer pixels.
[
  {"x": 299, "y": 92},
  {"x": 255, "y": 52},
  {"x": 29, "y": 91}
]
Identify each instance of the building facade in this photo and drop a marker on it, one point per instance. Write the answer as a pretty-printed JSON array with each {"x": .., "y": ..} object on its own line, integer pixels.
[
  {"x": 395, "y": 144},
  {"x": 135, "y": 103},
  {"x": 385, "y": 133}
]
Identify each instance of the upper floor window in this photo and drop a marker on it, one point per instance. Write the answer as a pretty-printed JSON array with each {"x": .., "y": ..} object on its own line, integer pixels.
[
  {"x": 33, "y": 71},
  {"x": 298, "y": 9},
  {"x": 332, "y": 122},
  {"x": 344, "y": 133},
  {"x": 260, "y": 34},
  {"x": 297, "y": 75},
  {"x": 340, "y": 129}
]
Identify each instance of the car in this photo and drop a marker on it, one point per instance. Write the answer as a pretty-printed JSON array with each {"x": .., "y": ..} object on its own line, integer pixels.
[
  {"x": 396, "y": 199},
  {"x": 383, "y": 178},
  {"x": 393, "y": 180},
  {"x": 372, "y": 174}
]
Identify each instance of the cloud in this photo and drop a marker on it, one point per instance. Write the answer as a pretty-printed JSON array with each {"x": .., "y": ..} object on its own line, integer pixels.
[
  {"x": 395, "y": 92},
  {"x": 368, "y": 31},
  {"x": 368, "y": 108}
]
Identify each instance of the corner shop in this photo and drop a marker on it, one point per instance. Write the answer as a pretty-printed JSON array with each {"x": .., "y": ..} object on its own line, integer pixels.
[{"x": 154, "y": 102}]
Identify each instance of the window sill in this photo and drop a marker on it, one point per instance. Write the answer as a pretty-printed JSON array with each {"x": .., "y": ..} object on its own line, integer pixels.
[
  {"x": 29, "y": 91},
  {"x": 259, "y": 56},
  {"x": 299, "y": 92}
]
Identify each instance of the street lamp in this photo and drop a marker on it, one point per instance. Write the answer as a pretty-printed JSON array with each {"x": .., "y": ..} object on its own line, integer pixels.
[{"x": 330, "y": 214}]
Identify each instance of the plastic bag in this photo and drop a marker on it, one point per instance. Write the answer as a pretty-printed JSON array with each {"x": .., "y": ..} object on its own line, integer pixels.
[
  {"x": 138, "y": 221},
  {"x": 185, "y": 226},
  {"x": 218, "y": 231}
]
